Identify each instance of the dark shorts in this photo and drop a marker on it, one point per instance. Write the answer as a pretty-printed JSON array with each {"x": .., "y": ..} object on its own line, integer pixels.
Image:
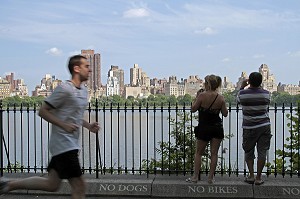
[
  {"x": 208, "y": 132},
  {"x": 66, "y": 165},
  {"x": 259, "y": 137}
]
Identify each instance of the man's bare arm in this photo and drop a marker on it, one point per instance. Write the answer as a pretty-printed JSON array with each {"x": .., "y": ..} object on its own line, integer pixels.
[{"x": 46, "y": 113}]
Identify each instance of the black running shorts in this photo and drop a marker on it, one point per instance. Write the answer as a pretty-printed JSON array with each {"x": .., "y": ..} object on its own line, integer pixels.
[{"x": 66, "y": 165}]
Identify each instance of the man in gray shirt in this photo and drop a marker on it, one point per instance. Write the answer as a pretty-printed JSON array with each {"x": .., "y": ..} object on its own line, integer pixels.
[
  {"x": 256, "y": 125},
  {"x": 64, "y": 109}
]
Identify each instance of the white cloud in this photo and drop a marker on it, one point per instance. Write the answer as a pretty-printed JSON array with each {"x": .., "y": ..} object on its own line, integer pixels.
[
  {"x": 226, "y": 59},
  {"x": 54, "y": 51},
  {"x": 75, "y": 52},
  {"x": 294, "y": 54},
  {"x": 136, "y": 13},
  {"x": 258, "y": 56},
  {"x": 206, "y": 31},
  {"x": 228, "y": 16}
]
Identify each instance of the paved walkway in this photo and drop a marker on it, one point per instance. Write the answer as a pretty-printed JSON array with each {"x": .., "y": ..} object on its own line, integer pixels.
[{"x": 165, "y": 186}]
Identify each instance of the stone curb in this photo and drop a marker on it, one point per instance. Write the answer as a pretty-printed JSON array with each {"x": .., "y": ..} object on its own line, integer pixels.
[{"x": 176, "y": 187}]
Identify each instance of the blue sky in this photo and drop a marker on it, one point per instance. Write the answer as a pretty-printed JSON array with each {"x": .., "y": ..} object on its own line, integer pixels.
[{"x": 182, "y": 38}]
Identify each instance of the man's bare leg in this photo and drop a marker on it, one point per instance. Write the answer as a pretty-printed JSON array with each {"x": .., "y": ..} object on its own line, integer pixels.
[
  {"x": 78, "y": 187},
  {"x": 50, "y": 183}
]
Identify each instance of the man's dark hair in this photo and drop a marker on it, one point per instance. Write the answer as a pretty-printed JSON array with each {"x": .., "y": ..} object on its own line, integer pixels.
[
  {"x": 255, "y": 79},
  {"x": 74, "y": 61}
]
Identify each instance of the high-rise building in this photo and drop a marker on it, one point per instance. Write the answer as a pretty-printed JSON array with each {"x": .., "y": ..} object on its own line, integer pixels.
[
  {"x": 4, "y": 88},
  {"x": 135, "y": 75},
  {"x": 115, "y": 71},
  {"x": 48, "y": 84},
  {"x": 171, "y": 88},
  {"x": 94, "y": 82},
  {"x": 145, "y": 79},
  {"x": 21, "y": 88},
  {"x": 268, "y": 81},
  {"x": 113, "y": 85},
  {"x": 241, "y": 79},
  {"x": 227, "y": 85},
  {"x": 10, "y": 79},
  {"x": 192, "y": 85},
  {"x": 157, "y": 85},
  {"x": 289, "y": 88}
]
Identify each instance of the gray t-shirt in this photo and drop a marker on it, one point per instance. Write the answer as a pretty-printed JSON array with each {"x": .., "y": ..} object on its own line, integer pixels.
[{"x": 69, "y": 104}]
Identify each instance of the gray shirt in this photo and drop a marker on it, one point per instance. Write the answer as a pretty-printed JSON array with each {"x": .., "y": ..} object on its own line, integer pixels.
[{"x": 69, "y": 104}]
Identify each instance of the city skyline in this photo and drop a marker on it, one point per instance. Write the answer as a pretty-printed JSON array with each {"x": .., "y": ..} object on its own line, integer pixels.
[
  {"x": 269, "y": 80},
  {"x": 165, "y": 38}
]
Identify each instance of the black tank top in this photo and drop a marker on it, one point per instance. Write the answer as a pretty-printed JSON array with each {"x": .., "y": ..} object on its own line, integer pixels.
[{"x": 209, "y": 116}]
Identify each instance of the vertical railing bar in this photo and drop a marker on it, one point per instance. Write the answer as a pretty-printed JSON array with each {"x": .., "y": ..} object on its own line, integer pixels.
[
  {"x": 111, "y": 139},
  {"x": 267, "y": 152},
  {"x": 169, "y": 139},
  {"x": 191, "y": 143},
  {"x": 176, "y": 138},
  {"x": 298, "y": 135},
  {"x": 275, "y": 138},
  {"x": 15, "y": 138},
  {"x": 1, "y": 139},
  {"x": 154, "y": 137},
  {"x": 291, "y": 140},
  {"x": 8, "y": 138},
  {"x": 48, "y": 140},
  {"x": 184, "y": 139},
  {"x": 162, "y": 139},
  {"x": 28, "y": 139},
  {"x": 41, "y": 133},
  {"x": 97, "y": 142},
  {"x": 222, "y": 154},
  {"x": 147, "y": 148},
  {"x": 237, "y": 143},
  {"x": 34, "y": 131},
  {"x": 118, "y": 112},
  {"x": 104, "y": 137},
  {"x": 283, "y": 151},
  {"x": 140, "y": 121},
  {"x": 132, "y": 136},
  {"x": 21, "y": 133},
  {"x": 6, "y": 147},
  {"x": 229, "y": 142},
  {"x": 89, "y": 144},
  {"x": 206, "y": 159},
  {"x": 125, "y": 121}
]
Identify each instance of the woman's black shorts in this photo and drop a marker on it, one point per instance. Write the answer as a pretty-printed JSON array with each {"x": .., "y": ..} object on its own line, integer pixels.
[
  {"x": 208, "y": 132},
  {"x": 66, "y": 165}
]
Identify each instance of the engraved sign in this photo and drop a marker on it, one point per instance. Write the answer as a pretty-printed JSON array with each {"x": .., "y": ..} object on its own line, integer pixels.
[
  {"x": 123, "y": 187},
  {"x": 291, "y": 191},
  {"x": 213, "y": 189}
]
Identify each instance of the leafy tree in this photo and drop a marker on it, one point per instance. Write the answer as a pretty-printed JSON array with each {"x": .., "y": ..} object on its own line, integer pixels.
[
  {"x": 185, "y": 100},
  {"x": 288, "y": 159},
  {"x": 281, "y": 98},
  {"x": 230, "y": 97},
  {"x": 172, "y": 100},
  {"x": 25, "y": 101}
]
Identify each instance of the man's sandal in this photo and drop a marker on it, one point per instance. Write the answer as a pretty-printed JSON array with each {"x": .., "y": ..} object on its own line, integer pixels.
[{"x": 259, "y": 182}]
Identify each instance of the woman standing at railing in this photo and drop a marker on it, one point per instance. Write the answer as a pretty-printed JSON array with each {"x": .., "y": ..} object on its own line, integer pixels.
[{"x": 210, "y": 127}]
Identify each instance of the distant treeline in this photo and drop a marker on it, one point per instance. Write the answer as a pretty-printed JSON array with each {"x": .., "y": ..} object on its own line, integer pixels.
[{"x": 157, "y": 100}]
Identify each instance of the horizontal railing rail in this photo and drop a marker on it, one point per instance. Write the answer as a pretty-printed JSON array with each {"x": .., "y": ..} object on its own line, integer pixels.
[{"x": 154, "y": 139}]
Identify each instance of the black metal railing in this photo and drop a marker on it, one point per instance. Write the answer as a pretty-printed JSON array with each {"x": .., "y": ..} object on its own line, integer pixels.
[{"x": 154, "y": 139}]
